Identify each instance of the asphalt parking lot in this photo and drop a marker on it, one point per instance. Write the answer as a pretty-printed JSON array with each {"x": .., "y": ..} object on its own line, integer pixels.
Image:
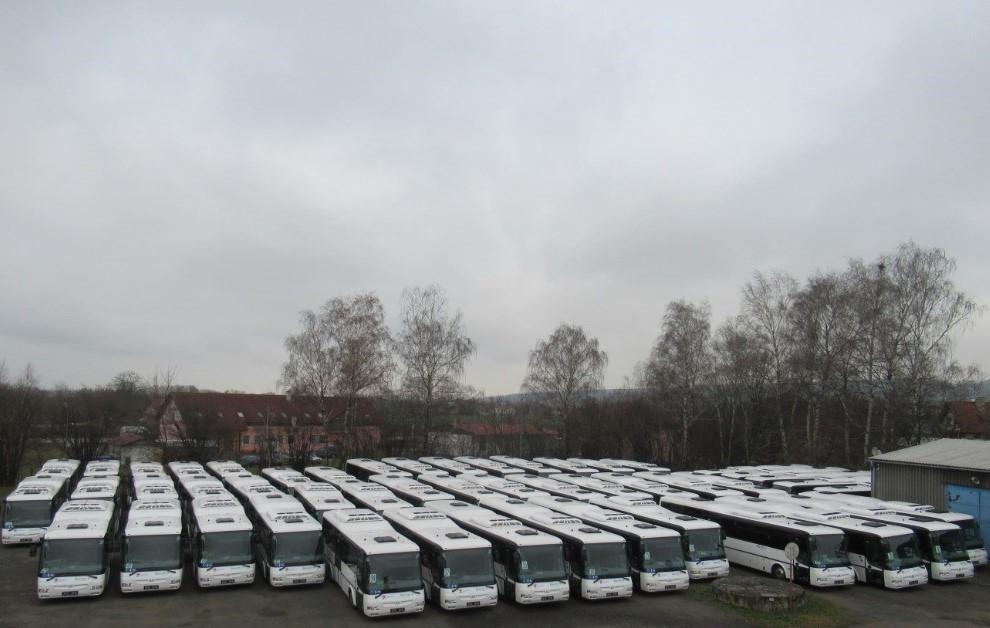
[{"x": 954, "y": 604}]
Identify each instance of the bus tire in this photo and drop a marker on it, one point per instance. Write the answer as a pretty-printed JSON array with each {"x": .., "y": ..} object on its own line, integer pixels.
[{"x": 779, "y": 573}]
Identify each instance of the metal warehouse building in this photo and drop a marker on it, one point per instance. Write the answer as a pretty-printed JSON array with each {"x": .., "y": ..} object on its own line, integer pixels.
[{"x": 951, "y": 474}]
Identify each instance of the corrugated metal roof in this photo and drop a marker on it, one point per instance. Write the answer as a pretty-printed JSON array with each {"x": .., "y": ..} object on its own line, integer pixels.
[{"x": 952, "y": 453}]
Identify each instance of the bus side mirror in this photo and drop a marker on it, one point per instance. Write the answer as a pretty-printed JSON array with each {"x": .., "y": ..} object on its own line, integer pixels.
[{"x": 34, "y": 550}]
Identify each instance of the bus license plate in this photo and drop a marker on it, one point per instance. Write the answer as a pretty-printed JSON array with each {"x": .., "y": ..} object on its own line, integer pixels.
[
  {"x": 712, "y": 574},
  {"x": 69, "y": 593},
  {"x": 474, "y": 603},
  {"x": 840, "y": 582},
  {"x": 612, "y": 594},
  {"x": 151, "y": 587},
  {"x": 401, "y": 609},
  {"x": 960, "y": 575},
  {"x": 546, "y": 598},
  {"x": 231, "y": 581},
  {"x": 669, "y": 587},
  {"x": 299, "y": 581},
  {"x": 913, "y": 582}
]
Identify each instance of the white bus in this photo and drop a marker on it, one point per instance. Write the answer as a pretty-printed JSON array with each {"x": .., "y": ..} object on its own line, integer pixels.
[
  {"x": 975, "y": 547},
  {"x": 29, "y": 508},
  {"x": 179, "y": 468},
  {"x": 655, "y": 554},
  {"x": 93, "y": 487},
  {"x": 655, "y": 490},
  {"x": 943, "y": 545},
  {"x": 879, "y": 553},
  {"x": 61, "y": 466},
  {"x": 410, "y": 490},
  {"x": 528, "y": 466},
  {"x": 461, "y": 487},
  {"x": 796, "y": 487},
  {"x": 364, "y": 468},
  {"x": 703, "y": 488},
  {"x": 601, "y": 486},
  {"x": 509, "y": 486},
  {"x": 758, "y": 540},
  {"x": 151, "y": 554},
  {"x": 75, "y": 553},
  {"x": 566, "y": 466},
  {"x": 449, "y": 465},
  {"x": 633, "y": 464},
  {"x": 492, "y": 467},
  {"x": 142, "y": 468},
  {"x": 369, "y": 495},
  {"x": 455, "y": 565},
  {"x": 603, "y": 466},
  {"x": 555, "y": 487},
  {"x": 317, "y": 498},
  {"x": 193, "y": 486},
  {"x": 163, "y": 488},
  {"x": 409, "y": 465},
  {"x": 285, "y": 480},
  {"x": 529, "y": 564},
  {"x": 325, "y": 473},
  {"x": 701, "y": 539},
  {"x": 221, "y": 542},
  {"x": 596, "y": 562},
  {"x": 375, "y": 566},
  {"x": 102, "y": 468},
  {"x": 290, "y": 543},
  {"x": 221, "y": 468}
]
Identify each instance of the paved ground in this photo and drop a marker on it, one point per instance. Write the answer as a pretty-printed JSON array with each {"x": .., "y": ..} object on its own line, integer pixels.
[{"x": 962, "y": 604}]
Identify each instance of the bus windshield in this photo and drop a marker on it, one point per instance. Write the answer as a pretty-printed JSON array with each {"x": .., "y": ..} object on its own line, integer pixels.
[
  {"x": 604, "y": 560},
  {"x": 29, "y": 514},
  {"x": 297, "y": 548},
  {"x": 392, "y": 573},
  {"x": 467, "y": 568},
  {"x": 949, "y": 546},
  {"x": 703, "y": 545},
  {"x": 971, "y": 533},
  {"x": 225, "y": 548},
  {"x": 539, "y": 564},
  {"x": 147, "y": 553},
  {"x": 901, "y": 552},
  {"x": 661, "y": 555},
  {"x": 829, "y": 550},
  {"x": 72, "y": 557}
]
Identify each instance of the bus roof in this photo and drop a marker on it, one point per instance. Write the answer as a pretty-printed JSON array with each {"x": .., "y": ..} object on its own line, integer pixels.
[
  {"x": 369, "y": 531},
  {"x": 408, "y": 464},
  {"x": 487, "y": 464},
  {"x": 32, "y": 492},
  {"x": 154, "y": 517},
  {"x": 647, "y": 510},
  {"x": 81, "y": 519},
  {"x": 768, "y": 516},
  {"x": 495, "y": 524},
  {"x": 615, "y": 521},
  {"x": 554, "y": 522},
  {"x": 793, "y": 509},
  {"x": 436, "y": 528}
]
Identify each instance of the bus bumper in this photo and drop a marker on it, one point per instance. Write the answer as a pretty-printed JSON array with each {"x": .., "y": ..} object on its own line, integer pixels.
[
  {"x": 22, "y": 536},
  {"x": 911, "y": 577},
  {"x": 663, "y": 581},
  {"x": 393, "y": 603},
  {"x": 71, "y": 587},
  {"x": 706, "y": 569},
  {"x": 542, "y": 592},
  {"x": 946, "y": 572},
  {"x": 468, "y": 597},
  {"x": 148, "y": 581},
  {"x": 230, "y": 575},
  {"x": 978, "y": 557},
  {"x": 606, "y": 588},
  {"x": 297, "y": 576},
  {"x": 832, "y": 577}
]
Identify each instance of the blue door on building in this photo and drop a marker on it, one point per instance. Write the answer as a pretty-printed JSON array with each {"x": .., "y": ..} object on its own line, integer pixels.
[{"x": 972, "y": 501}]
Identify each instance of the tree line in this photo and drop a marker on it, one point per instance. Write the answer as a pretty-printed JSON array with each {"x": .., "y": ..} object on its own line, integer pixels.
[{"x": 822, "y": 370}]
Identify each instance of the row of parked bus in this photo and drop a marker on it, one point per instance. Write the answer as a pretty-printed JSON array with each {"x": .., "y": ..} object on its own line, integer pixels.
[{"x": 395, "y": 533}]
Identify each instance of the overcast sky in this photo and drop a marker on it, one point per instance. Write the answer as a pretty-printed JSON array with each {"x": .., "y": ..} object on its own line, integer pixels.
[{"x": 178, "y": 181}]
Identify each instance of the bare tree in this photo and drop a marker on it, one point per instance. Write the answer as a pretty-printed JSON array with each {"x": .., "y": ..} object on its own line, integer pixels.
[
  {"x": 564, "y": 368},
  {"x": 345, "y": 349},
  {"x": 767, "y": 301},
  {"x": 741, "y": 374},
  {"x": 20, "y": 409},
  {"x": 681, "y": 364},
  {"x": 434, "y": 348}
]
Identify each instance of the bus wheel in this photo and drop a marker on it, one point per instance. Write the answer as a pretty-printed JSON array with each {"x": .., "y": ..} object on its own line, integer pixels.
[{"x": 779, "y": 573}]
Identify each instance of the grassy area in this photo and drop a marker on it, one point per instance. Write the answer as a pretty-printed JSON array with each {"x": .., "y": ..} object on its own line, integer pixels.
[{"x": 817, "y": 612}]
